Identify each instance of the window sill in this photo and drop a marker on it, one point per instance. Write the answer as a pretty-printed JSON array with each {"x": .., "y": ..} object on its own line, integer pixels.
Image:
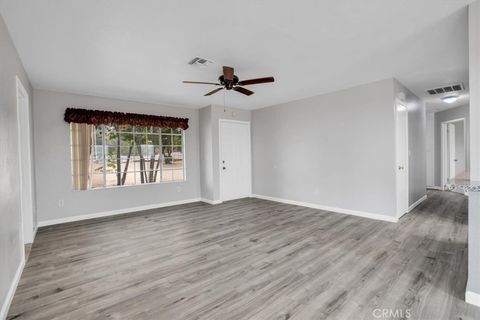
[{"x": 133, "y": 186}]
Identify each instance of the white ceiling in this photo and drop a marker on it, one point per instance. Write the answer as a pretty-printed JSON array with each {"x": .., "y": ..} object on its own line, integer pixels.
[{"x": 139, "y": 50}]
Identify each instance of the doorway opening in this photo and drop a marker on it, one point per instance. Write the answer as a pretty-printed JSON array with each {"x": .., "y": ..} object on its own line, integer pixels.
[
  {"x": 25, "y": 163},
  {"x": 454, "y": 152}
]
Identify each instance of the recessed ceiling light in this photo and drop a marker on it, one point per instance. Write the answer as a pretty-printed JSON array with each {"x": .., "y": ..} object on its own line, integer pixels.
[{"x": 450, "y": 99}]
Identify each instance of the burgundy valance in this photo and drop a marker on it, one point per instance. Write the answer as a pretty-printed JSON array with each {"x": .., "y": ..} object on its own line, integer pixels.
[{"x": 121, "y": 118}]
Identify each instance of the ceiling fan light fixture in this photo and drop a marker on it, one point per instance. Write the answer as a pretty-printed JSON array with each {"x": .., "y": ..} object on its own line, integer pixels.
[
  {"x": 450, "y": 98},
  {"x": 229, "y": 81}
]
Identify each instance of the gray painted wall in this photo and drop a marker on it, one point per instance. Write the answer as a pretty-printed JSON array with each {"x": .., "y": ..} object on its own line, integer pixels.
[
  {"x": 10, "y": 215},
  {"x": 206, "y": 153},
  {"x": 53, "y": 167},
  {"x": 450, "y": 114},
  {"x": 417, "y": 144},
  {"x": 209, "y": 146},
  {"x": 336, "y": 149}
]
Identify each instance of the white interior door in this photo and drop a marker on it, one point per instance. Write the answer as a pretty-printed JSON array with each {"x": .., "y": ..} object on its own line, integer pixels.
[
  {"x": 26, "y": 177},
  {"x": 402, "y": 159},
  {"x": 235, "y": 159},
  {"x": 452, "y": 159}
]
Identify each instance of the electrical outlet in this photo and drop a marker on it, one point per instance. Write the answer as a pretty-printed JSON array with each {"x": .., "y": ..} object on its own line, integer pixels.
[
  {"x": 61, "y": 203},
  {"x": 179, "y": 189}
]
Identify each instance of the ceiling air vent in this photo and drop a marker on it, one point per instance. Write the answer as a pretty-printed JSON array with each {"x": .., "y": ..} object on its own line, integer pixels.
[
  {"x": 447, "y": 89},
  {"x": 201, "y": 62}
]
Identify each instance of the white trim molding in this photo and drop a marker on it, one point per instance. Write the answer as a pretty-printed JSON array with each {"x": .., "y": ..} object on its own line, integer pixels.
[
  {"x": 211, "y": 201},
  {"x": 472, "y": 298},
  {"x": 416, "y": 203},
  {"x": 362, "y": 214},
  {"x": 115, "y": 212},
  {"x": 12, "y": 289}
]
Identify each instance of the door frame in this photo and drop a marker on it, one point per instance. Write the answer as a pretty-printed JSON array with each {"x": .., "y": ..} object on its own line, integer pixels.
[
  {"x": 444, "y": 148},
  {"x": 24, "y": 138},
  {"x": 399, "y": 212},
  {"x": 220, "y": 121}
]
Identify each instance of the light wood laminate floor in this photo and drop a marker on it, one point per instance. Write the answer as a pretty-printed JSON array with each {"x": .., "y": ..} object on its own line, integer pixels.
[{"x": 251, "y": 259}]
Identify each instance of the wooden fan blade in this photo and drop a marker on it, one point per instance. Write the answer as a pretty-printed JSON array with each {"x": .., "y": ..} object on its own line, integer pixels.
[
  {"x": 212, "y": 92},
  {"x": 244, "y": 91},
  {"x": 200, "y": 82},
  {"x": 228, "y": 73},
  {"x": 256, "y": 81}
]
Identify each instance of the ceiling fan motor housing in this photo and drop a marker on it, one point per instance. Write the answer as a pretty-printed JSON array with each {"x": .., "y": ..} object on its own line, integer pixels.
[{"x": 228, "y": 84}]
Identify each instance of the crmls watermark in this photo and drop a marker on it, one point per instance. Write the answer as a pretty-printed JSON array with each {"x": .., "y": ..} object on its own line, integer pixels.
[{"x": 392, "y": 313}]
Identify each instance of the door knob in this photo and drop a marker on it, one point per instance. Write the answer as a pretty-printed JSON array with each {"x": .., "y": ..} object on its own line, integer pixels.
[
  {"x": 400, "y": 168},
  {"x": 224, "y": 168}
]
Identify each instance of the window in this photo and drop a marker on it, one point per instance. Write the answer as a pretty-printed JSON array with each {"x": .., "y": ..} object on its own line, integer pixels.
[{"x": 124, "y": 155}]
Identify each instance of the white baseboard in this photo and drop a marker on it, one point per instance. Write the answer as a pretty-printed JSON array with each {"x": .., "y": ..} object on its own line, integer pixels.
[
  {"x": 328, "y": 208},
  {"x": 35, "y": 233},
  {"x": 434, "y": 188},
  {"x": 416, "y": 203},
  {"x": 12, "y": 289},
  {"x": 115, "y": 212},
  {"x": 211, "y": 201},
  {"x": 472, "y": 298}
]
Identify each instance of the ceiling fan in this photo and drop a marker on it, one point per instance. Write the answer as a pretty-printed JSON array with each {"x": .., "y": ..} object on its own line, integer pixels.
[{"x": 229, "y": 81}]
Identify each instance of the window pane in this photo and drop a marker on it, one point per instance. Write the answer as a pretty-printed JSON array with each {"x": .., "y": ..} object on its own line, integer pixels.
[
  {"x": 140, "y": 129},
  {"x": 152, "y": 176},
  {"x": 140, "y": 139},
  {"x": 97, "y": 181},
  {"x": 123, "y": 165},
  {"x": 149, "y": 164},
  {"x": 97, "y": 166},
  {"x": 157, "y": 152},
  {"x": 155, "y": 130},
  {"x": 177, "y": 140},
  {"x": 167, "y": 163},
  {"x": 154, "y": 139},
  {"x": 111, "y": 165},
  {"x": 178, "y": 175},
  {"x": 98, "y": 135},
  {"x": 177, "y": 131},
  {"x": 111, "y": 180},
  {"x": 177, "y": 152},
  {"x": 138, "y": 164},
  {"x": 167, "y": 151},
  {"x": 125, "y": 128},
  {"x": 147, "y": 150},
  {"x": 97, "y": 152},
  {"x": 167, "y": 175},
  {"x": 147, "y": 176},
  {"x": 125, "y": 151},
  {"x": 129, "y": 178},
  {"x": 178, "y": 163},
  {"x": 126, "y": 139},
  {"x": 166, "y": 140},
  {"x": 166, "y": 130},
  {"x": 111, "y": 135}
]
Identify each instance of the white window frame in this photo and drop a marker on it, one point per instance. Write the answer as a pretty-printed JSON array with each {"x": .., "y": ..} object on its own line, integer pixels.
[{"x": 134, "y": 171}]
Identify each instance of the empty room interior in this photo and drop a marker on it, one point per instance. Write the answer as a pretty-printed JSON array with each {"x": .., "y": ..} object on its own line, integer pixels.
[{"x": 240, "y": 160}]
